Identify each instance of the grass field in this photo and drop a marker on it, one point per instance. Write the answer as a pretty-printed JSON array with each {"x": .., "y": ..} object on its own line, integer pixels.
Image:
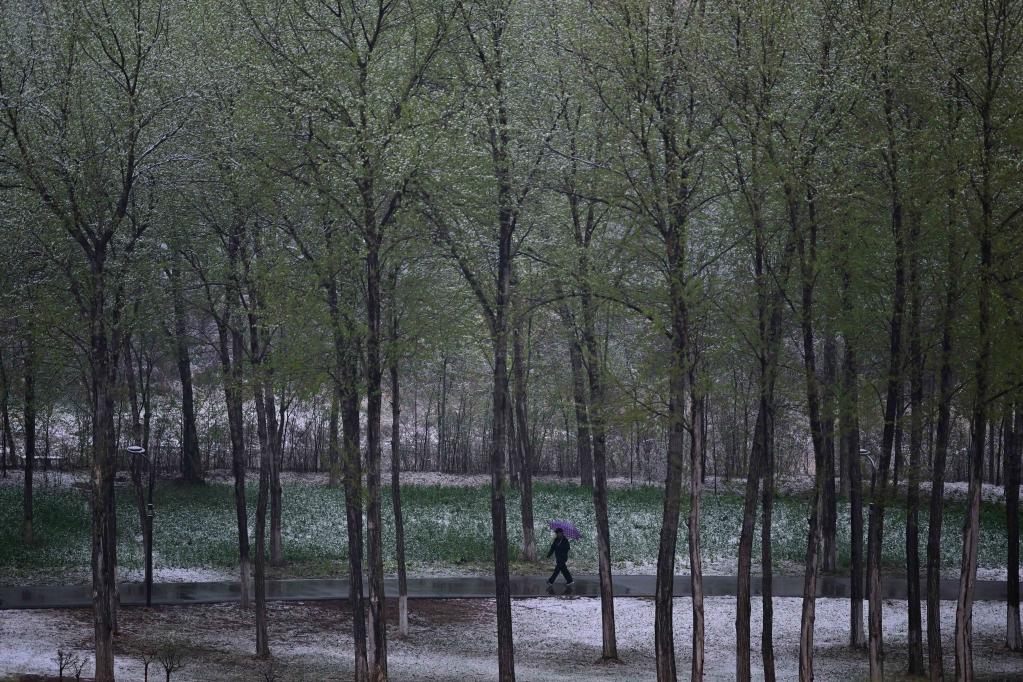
[{"x": 447, "y": 528}]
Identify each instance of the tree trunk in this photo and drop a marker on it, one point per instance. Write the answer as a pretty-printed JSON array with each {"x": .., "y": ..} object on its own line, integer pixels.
[
  {"x": 524, "y": 444},
  {"x": 891, "y": 157},
  {"x": 190, "y": 458},
  {"x": 346, "y": 381},
  {"x": 514, "y": 456},
  {"x": 808, "y": 262},
  {"x": 6, "y": 436},
  {"x": 743, "y": 608},
  {"x": 971, "y": 528},
  {"x": 230, "y": 363},
  {"x": 442, "y": 412},
  {"x": 498, "y": 482},
  {"x": 352, "y": 466},
  {"x": 879, "y": 492},
  {"x": 987, "y": 196},
  {"x": 399, "y": 519},
  {"x": 850, "y": 428},
  {"x": 829, "y": 507},
  {"x": 609, "y": 650},
  {"x": 498, "y": 486},
  {"x": 1013, "y": 636},
  {"x": 275, "y": 437},
  {"x": 374, "y": 409},
  {"x": 265, "y": 455},
  {"x": 769, "y": 302},
  {"x": 664, "y": 638},
  {"x": 916, "y": 430},
  {"x": 27, "y": 534},
  {"x": 696, "y": 566},
  {"x": 595, "y": 419},
  {"x": 582, "y": 428},
  {"x": 258, "y": 350},
  {"x": 104, "y": 551},
  {"x": 941, "y": 441},
  {"x": 333, "y": 446},
  {"x": 766, "y": 559}
]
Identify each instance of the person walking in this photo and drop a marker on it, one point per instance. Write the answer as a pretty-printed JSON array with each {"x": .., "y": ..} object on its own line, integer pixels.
[{"x": 559, "y": 548}]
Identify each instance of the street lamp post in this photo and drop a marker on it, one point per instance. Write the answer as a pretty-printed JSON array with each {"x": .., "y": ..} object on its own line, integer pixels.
[
  {"x": 147, "y": 527},
  {"x": 873, "y": 472}
]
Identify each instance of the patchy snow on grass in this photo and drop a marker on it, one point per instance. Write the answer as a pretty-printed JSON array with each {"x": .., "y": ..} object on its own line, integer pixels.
[
  {"x": 46, "y": 478},
  {"x": 555, "y": 639},
  {"x": 798, "y": 485},
  {"x": 176, "y": 574}
]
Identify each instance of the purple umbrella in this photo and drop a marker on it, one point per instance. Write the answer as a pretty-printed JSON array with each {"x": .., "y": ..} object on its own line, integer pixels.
[{"x": 571, "y": 532}]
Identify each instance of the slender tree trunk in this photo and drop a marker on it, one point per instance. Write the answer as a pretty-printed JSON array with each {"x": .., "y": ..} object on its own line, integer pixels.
[
  {"x": 498, "y": 487},
  {"x": 524, "y": 446},
  {"x": 498, "y": 481},
  {"x": 993, "y": 50},
  {"x": 808, "y": 262},
  {"x": 979, "y": 419},
  {"x": 943, "y": 431},
  {"x": 399, "y": 520},
  {"x": 276, "y": 493},
  {"x": 6, "y": 436},
  {"x": 582, "y": 428},
  {"x": 879, "y": 493},
  {"x": 374, "y": 408},
  {"x": 103, "y": 356},
  {"x": 766, "y": 558},
  {"x": 230, "y": 362},
  {"x": 275, "y": 439},
  {"x": 352, "y": 467},
  {"x": 514, "y": 456},
  {"x": 769, "y": 317},
  {"x": 596, "y": 429},
  {"x": 262, "y": 500},
  {"x": 190, "y": 457},
  {"x": 258, "y": 349},
  {"x": 916, "y": 429},
  {"x": 850, "y": 428},
  {"x": 1013, "y": 635},
  {"x": 609, "y": 639},
  {"x": 664, "y": 638},
  {"x": 334, "y": 446},
  {"x": 27, "y": 534},
  {"x": 696, "y": 566},
  {"x": 442, "y": 413},
  {"x": 346, "y": 383},
  {"x": 743, "y": 608},
  {"x": 829, "y": 507}
]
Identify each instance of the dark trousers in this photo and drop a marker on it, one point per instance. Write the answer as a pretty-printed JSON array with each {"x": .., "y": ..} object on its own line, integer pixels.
[{"x": 563, "y": 570}]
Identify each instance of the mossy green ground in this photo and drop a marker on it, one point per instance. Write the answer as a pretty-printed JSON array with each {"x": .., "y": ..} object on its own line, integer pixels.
[{"x": 447, "y": 529}]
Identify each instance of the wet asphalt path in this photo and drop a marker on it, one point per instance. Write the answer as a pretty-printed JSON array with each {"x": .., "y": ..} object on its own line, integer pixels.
[{"x": 177, "y": 594}]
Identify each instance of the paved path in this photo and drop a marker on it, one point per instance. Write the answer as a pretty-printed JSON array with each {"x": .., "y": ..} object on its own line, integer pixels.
[{"x": 133, "y": 594}]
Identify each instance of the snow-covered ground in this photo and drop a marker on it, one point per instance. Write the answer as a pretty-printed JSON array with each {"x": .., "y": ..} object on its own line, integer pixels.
[
  {"x": 790, "y": 485},
  {"x": 555, "y": 639}
]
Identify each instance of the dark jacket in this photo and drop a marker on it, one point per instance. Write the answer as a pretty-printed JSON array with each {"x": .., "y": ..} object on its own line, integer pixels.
[{"x": 559, "y": 548}]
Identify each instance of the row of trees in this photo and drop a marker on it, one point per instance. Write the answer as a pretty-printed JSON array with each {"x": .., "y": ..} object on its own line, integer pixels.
[{"x": 773, "y": 232}]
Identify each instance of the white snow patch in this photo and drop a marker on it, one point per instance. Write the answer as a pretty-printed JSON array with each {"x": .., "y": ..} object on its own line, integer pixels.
[
  {"x": 555, "y": 639},
  {"x": 175, "y": 574}
]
